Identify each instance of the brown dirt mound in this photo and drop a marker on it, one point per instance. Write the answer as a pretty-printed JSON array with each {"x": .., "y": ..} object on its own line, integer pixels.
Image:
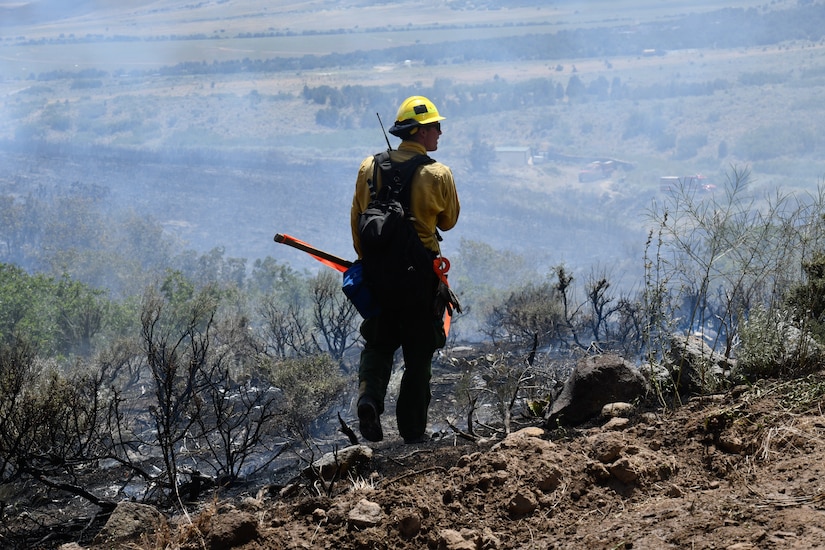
[{"x": 737, "y": 471}]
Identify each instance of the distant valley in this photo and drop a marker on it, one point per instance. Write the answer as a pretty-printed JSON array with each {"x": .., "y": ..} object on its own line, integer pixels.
[{"x": 224, "y": 150}]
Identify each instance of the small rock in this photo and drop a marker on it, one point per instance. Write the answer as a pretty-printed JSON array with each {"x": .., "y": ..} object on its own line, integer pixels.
[
  {"x": 530, "y": 431},
  {"x": 606, "y": 447},
  {"x": 616, "y": 424},
  {"x": 517, "y": 439},
  {"x": 617, "y": 409},
  {"x": 336, "y": 464},
  {"x": 365, "y": 514},
  {"x": 624, "y": 471}
]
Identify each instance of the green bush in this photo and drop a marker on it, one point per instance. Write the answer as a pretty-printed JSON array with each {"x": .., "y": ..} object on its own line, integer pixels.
[
  {"x": 772, "y": 347},
  {"x": 762, "y": 345},
  {"x": 59, "y": 316},
  {"x": 309, "y": 385},
  {"x": 807, "y": 300}
]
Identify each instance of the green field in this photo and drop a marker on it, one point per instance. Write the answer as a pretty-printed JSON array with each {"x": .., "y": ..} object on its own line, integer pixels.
[
  {"x": 114, "y": 55},
  {"x": 151, "y": 34}
]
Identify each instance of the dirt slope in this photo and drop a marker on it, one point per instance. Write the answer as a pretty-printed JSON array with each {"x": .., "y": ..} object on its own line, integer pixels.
[{"x": 737, "y": 471}]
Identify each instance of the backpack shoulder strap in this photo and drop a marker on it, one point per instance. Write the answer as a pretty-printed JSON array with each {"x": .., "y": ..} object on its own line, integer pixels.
[
  {"x": 381, "y": 160},
  {"x": 397, "y": 176}
]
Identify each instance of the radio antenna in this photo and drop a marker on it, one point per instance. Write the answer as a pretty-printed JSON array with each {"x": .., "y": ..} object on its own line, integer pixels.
[{"x": 389, "y": 147}]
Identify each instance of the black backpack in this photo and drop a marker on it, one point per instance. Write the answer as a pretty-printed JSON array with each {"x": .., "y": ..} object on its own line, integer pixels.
[{"x": 397, "y": 267}]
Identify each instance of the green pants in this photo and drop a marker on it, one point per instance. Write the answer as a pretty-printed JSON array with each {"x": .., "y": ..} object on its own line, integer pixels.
[{"x": 418, "y": 333}]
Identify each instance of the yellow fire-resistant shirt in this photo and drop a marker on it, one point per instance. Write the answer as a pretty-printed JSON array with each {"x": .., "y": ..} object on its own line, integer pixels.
[{"x": 433, "y": 197}]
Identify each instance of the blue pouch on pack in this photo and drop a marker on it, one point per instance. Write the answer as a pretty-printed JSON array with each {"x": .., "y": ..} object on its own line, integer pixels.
[{"x": 358, "y": 293}]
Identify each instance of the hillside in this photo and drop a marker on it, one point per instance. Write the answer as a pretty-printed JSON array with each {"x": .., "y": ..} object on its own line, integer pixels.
[{"x": 741, "y": 470}]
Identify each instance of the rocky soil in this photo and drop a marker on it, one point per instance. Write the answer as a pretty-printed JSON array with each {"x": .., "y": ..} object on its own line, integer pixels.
[{"x": 739, "y": 470}]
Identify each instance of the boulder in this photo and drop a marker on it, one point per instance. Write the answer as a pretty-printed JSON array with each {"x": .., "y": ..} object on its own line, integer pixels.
[
  {"x": 595, "y": 382},
  {"x": 694, "y": 367}
]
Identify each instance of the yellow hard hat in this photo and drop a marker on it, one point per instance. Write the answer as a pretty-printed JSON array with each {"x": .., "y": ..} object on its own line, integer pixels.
[{"x": 415, "y": 111}]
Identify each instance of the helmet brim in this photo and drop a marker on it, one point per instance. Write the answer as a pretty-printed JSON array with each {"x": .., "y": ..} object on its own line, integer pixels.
[{"x": 402, "y": 128}]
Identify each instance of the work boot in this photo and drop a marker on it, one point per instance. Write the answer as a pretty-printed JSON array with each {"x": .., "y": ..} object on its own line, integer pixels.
[{"x": 368, "y": 419}]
